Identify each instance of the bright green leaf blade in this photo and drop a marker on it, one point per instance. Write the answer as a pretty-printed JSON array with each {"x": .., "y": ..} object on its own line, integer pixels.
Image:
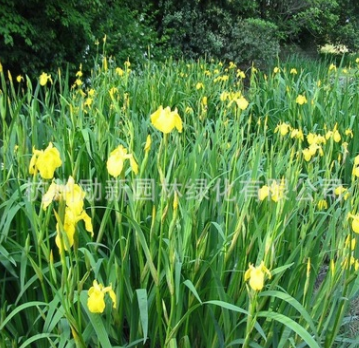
[
  {"x": 54, "y": 315},
  {"x": 219, "y": 229},
  {"x": 36, "y": 338},
  {"x": 227, "y": 305},
  {"x": 19, "y": 309},
  {"x": 292, "y": 325},
  {"x": 190, "y": 286},
  {"x": 143, "y": 307},
  {"x": 293, "y": 302},
  {"x": 240, "y": 342},
  {"x": 281, "y": 269}
]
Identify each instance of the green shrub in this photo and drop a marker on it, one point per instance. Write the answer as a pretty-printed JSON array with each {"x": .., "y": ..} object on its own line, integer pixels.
[
  {"x": 192, "y": 32},
  {"x": 213, "y": 32},
  {"x": 47, "y": 35},
  {"x": 253, "y": 40},
  {"x": 130, "y": 34}
]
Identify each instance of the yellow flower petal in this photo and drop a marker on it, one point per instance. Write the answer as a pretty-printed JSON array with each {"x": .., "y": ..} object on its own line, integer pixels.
[
  {"x": 96, "y": 294},
  {"x": 256, "y": 276},
  {"x": 256, "y": 282},
  {"x": 45, "y": 162},
  {"x": 242, "y": 103},
  {"x": 148, "y": 143},
  {"x": 355, "y": 224},
  {"x": 88, "y": 222},
  {"x": 48, "y": 162},
  {"x": 114, "y": 165},
  {"x": 356, "y": 171},
  {"x": 96, "y": 302},
  {"x": 52, "y": 193},
  {"x": 44, "y": 78},
  {"x": 322, "y": 204},
  {"x": 199, "y": 85},
  {"x": 115, "y": 161},
  {"x": 166, "y": 120},
  {"x": 337, "y": 137},
  {"x": 177, "y": 121},
  {"x": 248, "y": 273},
  {"x": 134, "y": 165},
  {"x": 69, "y": 229},
  {"x": 301, "y": 99},
  {"x": 32, "y": 165},
  {"x": 277, "y": 191},
  {"x": 74, "y": 196},
  {"x": 263, "y": 192},
  {"x": 282, "y": 128},
  {"x": 119, "y": 72},
  {"x": 113, "y": 298}
]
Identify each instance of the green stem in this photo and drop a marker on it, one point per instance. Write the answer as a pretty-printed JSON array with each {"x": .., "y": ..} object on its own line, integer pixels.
[
  {"x": 159, "y": 259},
  {"x": 251, "y": 318}
]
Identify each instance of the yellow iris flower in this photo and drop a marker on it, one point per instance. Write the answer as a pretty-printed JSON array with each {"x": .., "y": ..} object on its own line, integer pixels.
[
  {"x": 322, "y": 204},
  {"x": 69, "y": 226},
  {"x": 44, "y": 78},
  {"x": 241, "y": 74},
  {"x": 355, "y": 222},
  {"x": 342, "y": 192},
  {"x": 301, "y": 99},
  {"x": 297, "y": 134},
  {"x": 166, "y": 120},
  {"x": 116, "y": 160},
  {"x": 242, "y": 103},
  {"x": 45, "y": 161},
  {"x": 263, "y": 192},
  {"x": 282, "y": 128},
  {"x": 199, "y": 85},
  {"x": 96, "y": 297},
  {"x": 356, "y": 166},
  {"x": 276, "y": 191},
  {"x": 256, "y": 276},
  {"x": 73, "y": 195}
]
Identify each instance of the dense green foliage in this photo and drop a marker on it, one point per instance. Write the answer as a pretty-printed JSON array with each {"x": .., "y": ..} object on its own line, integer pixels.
[
  {"x": 37, "y": 35},
  {"x": 40, "y": 36},
  {"x": 264, "y": 173}
]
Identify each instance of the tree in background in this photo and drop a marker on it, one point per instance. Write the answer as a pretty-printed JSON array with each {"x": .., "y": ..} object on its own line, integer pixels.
[
  {"x": 128, "y": 26},
  {"x": 253, "y": 30},
  {"x": 347, "y": 29},
  {"x": 38, "y": 36}
]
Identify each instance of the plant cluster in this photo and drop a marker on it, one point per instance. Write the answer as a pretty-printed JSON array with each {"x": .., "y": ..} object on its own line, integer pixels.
[{"x": 176, "y": 207}]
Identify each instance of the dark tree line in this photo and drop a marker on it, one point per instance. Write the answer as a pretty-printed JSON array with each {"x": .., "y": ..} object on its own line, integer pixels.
[{"x": 38, "y": 35}]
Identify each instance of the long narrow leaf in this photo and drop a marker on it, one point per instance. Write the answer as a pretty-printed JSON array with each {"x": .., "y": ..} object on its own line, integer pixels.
[
  {"x": 143, "y": 307},
  {"x": 292, "y": 325},
  {"x": 19, "y": 309}
]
